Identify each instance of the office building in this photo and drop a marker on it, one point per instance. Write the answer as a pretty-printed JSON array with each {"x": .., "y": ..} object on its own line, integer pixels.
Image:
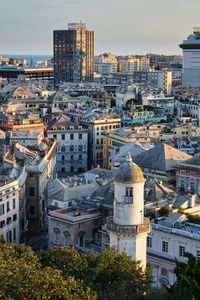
[
  {"x": 191, "y": 59},
  {"x": 73, "y": 54}
]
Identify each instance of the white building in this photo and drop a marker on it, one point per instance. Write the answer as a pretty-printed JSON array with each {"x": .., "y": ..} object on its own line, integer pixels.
[
  {"x": 26, "y": 137},
  {"x": 191, "y": 59},
  {"x": 125, "y": 95},
  {"x": 161, "y": 80},
  {"x": 9, "y": 210},
  {"x": 128, "y": 228},
  {"x": 168, "y": 242},
  {"x": 97, "y": 122},
  {"x": 105, "y": 63},
  {"x": 72, "y": 146}
]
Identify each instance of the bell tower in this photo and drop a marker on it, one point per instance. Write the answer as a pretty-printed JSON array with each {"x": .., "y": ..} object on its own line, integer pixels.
[{"x": 128, "y": 228}]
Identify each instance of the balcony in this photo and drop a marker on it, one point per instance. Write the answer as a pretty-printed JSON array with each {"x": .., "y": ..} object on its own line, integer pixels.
[
  {"x": 128, "y": 229},
  {"x": 128, "y": 199}
]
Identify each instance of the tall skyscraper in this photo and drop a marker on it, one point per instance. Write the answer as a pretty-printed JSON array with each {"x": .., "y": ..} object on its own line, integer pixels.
[
  {"x": 73, "y": 54},
  {"x": 191, "y": 59}
]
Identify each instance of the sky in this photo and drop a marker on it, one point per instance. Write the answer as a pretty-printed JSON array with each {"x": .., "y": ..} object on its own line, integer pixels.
[{"x": 121, "y": 26}]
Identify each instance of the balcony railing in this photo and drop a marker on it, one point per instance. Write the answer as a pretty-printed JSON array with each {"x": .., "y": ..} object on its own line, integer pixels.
[
  {"x": 130, "y": 229},
  {"x": 128, "y": 199}
]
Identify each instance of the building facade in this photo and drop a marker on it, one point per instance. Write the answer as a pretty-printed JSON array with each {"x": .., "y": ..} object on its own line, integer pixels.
[
  {"x": 191, "y": 59},
  {"x": 73, "y": 226},
  {"x": 169, "y": 240},
  {"x": 97, "y": 122},
  {"x": 9, "y": 211},
  {"x": 72, "y": 146},
  {"x": 73, "y": 54}
]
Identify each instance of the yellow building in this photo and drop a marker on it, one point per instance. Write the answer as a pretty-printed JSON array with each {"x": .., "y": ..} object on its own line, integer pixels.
[
  {"x": 186, "y": 130},
  {"x": 114, "y": 140}
]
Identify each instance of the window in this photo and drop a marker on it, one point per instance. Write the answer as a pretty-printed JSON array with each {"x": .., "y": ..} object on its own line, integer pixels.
[
  {"x": 55, "y": 136},
  {"x": 63, "y": 136},
  {"x": 164, "y": 246},
  {"x": 81, "y": 226},
  {"x": 69, "y": 203},
  {"x": 32, "y": 210},
  {"x": 164, "y": 272},
  {"x": 129, "y": 192},
  {"x": 80, "y": 148},
  {"x": 149, "y": 242},
  {"x": 1, "y": 209},
  {"x": 14, "y": 204},
  {"x": 31, "y": 175},
  {"x": 192, "y": 186},
  {"x": 182, "y": 185},
  {"x": 9, "y": 236},
  {"x": 80, "y": 136},
  {"x": 72, "y": 169},
  {"x": 63, "y": 170},
  {"x": 7, "y": 207},
  {"x": 63, "y": 148},
  {"x": 57, "y": 237},
  {"x": 31, "y": 191},
  {"x": 14, "y": 234},
  {"x": 71, "y": 148},
  {"x": 71, "y": 136},
  {"x": 63, "y": 157},
  {"x": 198, "y": 255},
  {"x": 181, "y": 250},
  {"x": 14, "y": 217},
  {"x": 80, "y": 156}
]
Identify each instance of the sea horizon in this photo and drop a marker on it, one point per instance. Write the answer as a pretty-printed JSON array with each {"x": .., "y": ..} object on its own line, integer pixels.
[{"x": 29, "y": 57}]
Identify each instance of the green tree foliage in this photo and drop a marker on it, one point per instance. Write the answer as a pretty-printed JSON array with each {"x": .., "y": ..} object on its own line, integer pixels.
[
  {"x": 21, "y": 277},
  {"x": 164, "y": 211},
  {"x": 64, "y": 273},
  {"x": 187, "y": 286},
  {"x": 193, "y": 218},
  {"x": 110, "y": 275}
]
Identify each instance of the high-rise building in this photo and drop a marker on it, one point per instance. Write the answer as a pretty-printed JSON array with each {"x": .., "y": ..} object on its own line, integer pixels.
[
  {"x": 191, "y": 59},
  {"x": 73, "y": 54}
]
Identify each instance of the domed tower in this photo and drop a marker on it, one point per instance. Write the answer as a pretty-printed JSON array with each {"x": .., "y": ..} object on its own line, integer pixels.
[{"x": 128, "y": 228}]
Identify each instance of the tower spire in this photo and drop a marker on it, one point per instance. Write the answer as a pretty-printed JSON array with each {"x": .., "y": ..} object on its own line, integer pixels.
[{"x": 129, "y": 158}]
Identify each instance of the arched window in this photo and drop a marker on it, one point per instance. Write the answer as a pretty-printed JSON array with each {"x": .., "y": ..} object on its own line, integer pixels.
[
  {"x": 66, "y": 238},
  {"x": 56, "y": 235}
]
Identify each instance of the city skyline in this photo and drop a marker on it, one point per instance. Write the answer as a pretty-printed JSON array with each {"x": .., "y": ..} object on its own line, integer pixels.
[{"x": 136, "y": 28}]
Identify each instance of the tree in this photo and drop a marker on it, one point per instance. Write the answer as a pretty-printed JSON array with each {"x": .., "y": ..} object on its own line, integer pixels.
[
  {"x": 110, "y": 275},
  {"x": 119, "y": 277},
  {"x": 164, "y": 211},
  {"x": 193, "y": 218},
  {"x": 22, "y": 277},
  {"x": 187, "y": 286}
]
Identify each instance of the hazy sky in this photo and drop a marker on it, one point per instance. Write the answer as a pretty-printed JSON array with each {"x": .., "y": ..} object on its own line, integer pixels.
[{"x": 121, "y": 26}]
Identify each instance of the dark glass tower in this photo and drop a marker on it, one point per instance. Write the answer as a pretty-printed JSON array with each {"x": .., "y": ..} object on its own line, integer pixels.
[{"x": 73, "y": 54}]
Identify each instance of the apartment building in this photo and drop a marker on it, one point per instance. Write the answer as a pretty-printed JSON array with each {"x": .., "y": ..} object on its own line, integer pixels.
[
  {"x": 97, "y": 122},
  {"x": 72, "y": 145},
  {"x": 9, "y": 210}
]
